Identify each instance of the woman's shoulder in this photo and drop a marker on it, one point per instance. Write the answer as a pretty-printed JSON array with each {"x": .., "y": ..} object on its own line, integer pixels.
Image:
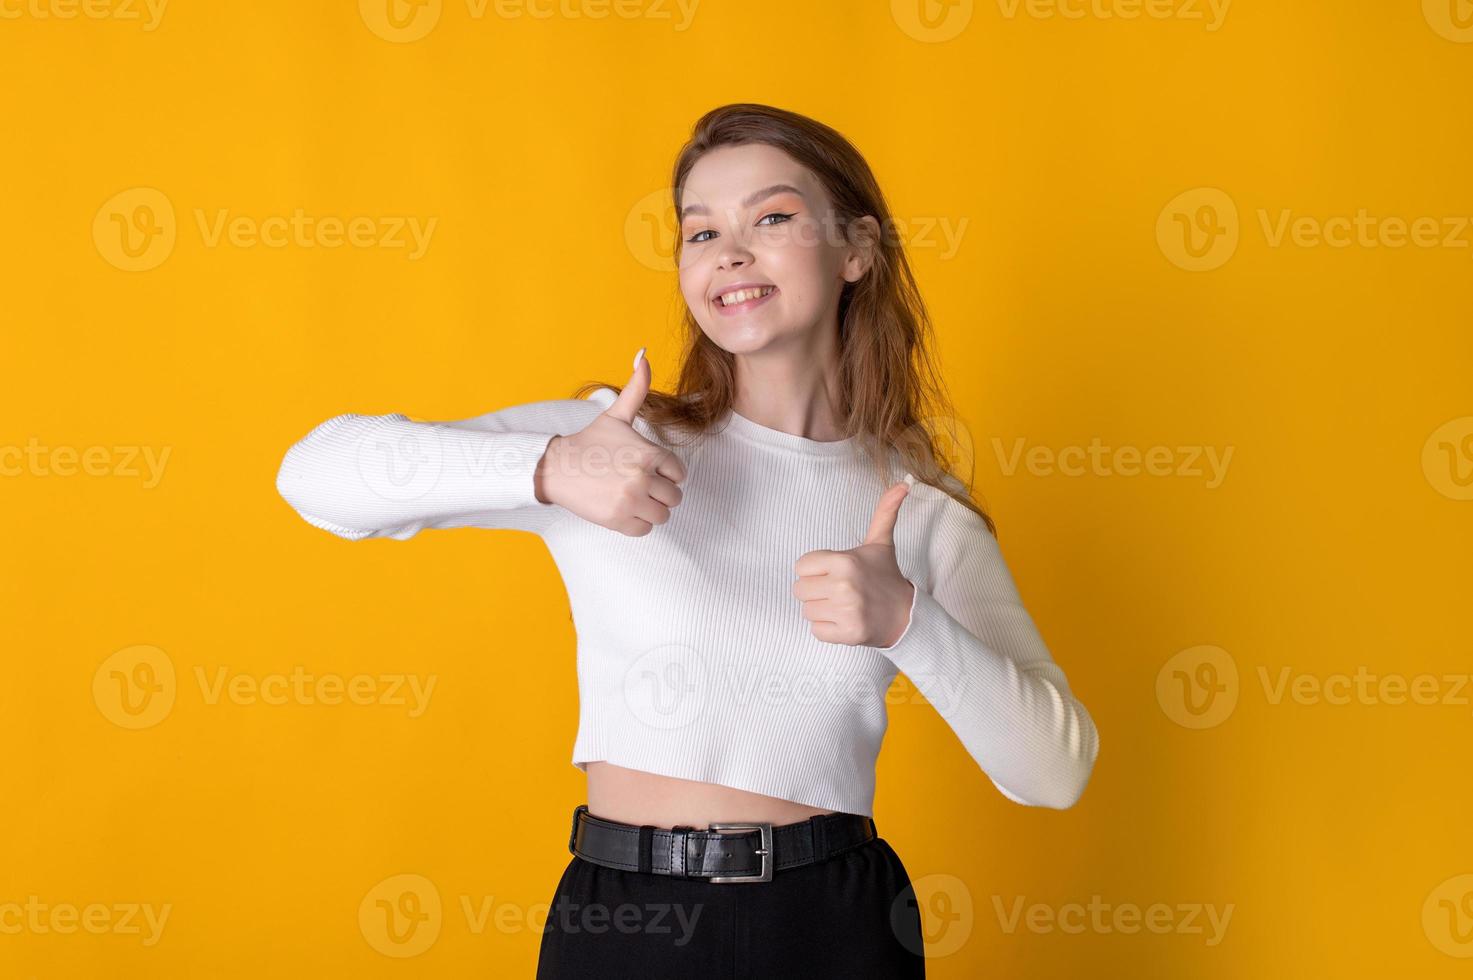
[
  {"x": 950, "y": 521},
  {"x": 603, "y": 395}
]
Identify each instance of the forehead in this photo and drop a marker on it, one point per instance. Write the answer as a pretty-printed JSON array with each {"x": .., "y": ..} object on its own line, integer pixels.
[{"x": 724, "y": 178}]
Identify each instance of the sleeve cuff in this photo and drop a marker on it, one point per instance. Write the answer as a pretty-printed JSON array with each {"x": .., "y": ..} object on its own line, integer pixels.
[
  {"x": 497, "y": 473},
  {"x": 928, "y": 650}
]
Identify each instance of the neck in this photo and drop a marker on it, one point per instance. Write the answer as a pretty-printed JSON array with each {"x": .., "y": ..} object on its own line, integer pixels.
[{"x": 793, "y": 391}]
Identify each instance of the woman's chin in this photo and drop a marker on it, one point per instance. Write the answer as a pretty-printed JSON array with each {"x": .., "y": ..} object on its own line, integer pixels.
[{"x": 742, "y": 338}]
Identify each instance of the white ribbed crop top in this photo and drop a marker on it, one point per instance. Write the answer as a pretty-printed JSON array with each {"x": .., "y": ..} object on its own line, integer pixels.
[{"x": 693, "y": 657}]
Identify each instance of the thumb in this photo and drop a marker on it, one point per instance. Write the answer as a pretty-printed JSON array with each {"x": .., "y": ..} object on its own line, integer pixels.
[
  {"x": 882, "y": 525},
  {"x": 627, "y": 405}
]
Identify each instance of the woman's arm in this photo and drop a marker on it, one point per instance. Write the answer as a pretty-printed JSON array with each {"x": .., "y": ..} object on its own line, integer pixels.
[
  {"x": 368, "y": 476},
  {"x": 973, "y": 650}
]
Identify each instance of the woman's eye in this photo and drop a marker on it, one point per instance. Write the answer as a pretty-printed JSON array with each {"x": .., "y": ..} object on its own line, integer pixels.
[{"x": 696, "y": 239}]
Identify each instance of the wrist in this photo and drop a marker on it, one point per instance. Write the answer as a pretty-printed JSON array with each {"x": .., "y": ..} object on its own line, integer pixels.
[
  {"x": 905, "y": 616},
  {"x": 542, "y": 473}
]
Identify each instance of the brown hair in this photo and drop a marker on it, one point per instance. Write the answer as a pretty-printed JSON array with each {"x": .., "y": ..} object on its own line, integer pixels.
[{"x": 890, "y": 390}]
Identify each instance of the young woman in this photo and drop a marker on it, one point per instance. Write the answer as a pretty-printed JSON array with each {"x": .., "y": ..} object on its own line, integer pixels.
[{"x": 750, "y": 559}]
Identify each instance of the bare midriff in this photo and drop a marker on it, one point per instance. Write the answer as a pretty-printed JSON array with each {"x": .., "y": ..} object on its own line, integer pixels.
[{"x": 636, "y": 797}]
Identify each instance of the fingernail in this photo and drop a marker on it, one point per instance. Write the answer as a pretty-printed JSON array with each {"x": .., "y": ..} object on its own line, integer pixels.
[
  {"x": 639, "y": 355},
  {"x": 911, "y": 480}
]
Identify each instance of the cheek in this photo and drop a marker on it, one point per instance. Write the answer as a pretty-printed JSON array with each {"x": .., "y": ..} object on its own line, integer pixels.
[
  {"x": 798, "y": 265},
  {"x": 693, "y": 286},
  {"x": 800, "y": 274}
]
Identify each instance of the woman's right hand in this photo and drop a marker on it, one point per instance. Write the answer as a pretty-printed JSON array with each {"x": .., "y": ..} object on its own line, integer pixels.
[{"x": 608, "y": 473}]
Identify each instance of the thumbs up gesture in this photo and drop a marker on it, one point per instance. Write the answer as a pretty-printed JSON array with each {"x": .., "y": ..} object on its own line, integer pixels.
[
  {"x": 858, "y": 596},
  {"x": 609, "y": 474}
]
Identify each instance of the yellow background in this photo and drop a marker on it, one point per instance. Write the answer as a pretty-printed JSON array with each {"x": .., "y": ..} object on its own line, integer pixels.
[{"x": 1056, "y": 145}]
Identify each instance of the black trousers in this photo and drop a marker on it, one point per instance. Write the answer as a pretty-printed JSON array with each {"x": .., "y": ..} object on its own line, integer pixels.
[{"x": 853, "y": 915}]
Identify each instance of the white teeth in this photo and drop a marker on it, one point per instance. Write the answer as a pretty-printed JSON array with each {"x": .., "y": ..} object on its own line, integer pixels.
[{"x": 742, "y": 295}]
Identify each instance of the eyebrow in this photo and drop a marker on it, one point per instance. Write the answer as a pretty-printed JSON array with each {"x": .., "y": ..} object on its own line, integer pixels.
[{"x": 750, "y": 199}]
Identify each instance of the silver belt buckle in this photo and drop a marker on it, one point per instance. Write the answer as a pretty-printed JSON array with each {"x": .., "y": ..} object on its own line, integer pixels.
[{"x": 765, "y": 851}]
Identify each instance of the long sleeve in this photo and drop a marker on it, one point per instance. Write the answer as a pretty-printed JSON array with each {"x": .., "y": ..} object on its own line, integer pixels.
[
  {"x": 971, "y": 647},
  {"x": 367, "y": 476}
]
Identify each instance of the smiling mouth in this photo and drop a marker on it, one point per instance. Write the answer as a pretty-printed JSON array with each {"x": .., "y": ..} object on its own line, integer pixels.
[{"x": 741, "y": 296}]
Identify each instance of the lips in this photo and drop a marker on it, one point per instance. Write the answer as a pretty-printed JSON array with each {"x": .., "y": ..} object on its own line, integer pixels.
[
  {"x": 736, "y": 287},
  {"x": 746, "y": 305}
]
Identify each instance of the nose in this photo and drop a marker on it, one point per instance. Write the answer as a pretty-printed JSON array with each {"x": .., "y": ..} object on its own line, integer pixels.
[{"x": 734, "y": 255}]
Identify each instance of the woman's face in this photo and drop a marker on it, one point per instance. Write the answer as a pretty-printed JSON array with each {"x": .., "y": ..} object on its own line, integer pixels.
[{"x": 752, "y": 214}]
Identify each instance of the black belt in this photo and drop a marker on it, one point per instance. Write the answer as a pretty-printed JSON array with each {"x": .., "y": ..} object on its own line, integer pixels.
[{"x": 724, "y": 853}]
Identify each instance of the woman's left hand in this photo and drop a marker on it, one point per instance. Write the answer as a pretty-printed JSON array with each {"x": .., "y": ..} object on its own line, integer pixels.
[{"x": 858, "y": 596}]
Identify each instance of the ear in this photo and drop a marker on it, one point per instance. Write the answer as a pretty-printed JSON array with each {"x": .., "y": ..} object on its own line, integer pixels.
[{"x": 864, "y": 241}]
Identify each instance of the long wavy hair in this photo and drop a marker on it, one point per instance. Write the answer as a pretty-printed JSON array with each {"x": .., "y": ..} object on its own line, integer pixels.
[{"x": 889, "y": 388}]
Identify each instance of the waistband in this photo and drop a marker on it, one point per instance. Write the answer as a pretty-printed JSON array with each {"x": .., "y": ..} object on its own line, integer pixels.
[{"x": 723, "y": 853}]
